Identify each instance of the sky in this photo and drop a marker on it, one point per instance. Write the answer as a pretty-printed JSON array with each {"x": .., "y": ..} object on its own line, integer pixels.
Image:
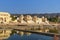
[{"x": 30, "y": 6}]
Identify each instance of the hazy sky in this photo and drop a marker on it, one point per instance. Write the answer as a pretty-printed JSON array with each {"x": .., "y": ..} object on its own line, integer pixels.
[{"x": 30, "y": 6}]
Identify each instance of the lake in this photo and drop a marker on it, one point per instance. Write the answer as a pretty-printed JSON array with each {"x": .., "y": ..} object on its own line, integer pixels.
[{"x": 29, "y": 37}]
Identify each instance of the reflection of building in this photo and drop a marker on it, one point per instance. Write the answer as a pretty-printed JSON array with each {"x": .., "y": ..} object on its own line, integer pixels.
[
  {"x": 24, "y": 33},
  {"x": 27, "y": 33},
  {"x": 21, "y": 33},
  {"x": 4, "y": 33},
  {"x": 4, "y": 17}
]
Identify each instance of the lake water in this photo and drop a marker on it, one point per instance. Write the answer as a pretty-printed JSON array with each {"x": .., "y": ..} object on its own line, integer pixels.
[{"x": 29, "y": 37}]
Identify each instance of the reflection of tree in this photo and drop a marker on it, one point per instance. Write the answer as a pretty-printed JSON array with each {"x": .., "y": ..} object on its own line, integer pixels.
[{"x": 13, "y": 31}]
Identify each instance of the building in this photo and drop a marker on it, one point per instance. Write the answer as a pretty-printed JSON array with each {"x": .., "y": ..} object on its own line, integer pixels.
[
  {"x": 4, "y": 17},
  {"x": 21, "y": 19},
  {"x": 32, "y": 20},
  {"x": 39, "y": 20},
  {"x": 28, "y": 19},
  {"x": 35, "y": 19},
  {"x": 44, "y": 20}
]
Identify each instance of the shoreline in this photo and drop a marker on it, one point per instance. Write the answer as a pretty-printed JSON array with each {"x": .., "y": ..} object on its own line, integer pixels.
[{"x": 23, "y": 24}]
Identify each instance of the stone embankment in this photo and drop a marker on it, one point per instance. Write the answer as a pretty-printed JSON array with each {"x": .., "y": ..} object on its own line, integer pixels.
[{"x": 28, "y": 24}]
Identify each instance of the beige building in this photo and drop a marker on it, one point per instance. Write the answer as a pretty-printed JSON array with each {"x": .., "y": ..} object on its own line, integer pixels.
[
  {"x": 39, "y": 21},
  {"x": 35, "y": 19},
  {"x": 32, "y": 20},
  {"x": 29, "y": 19},
  {"x": 42, "y": 20},
  {"x": 4, "y": 17},
  {"x": 21, "y": 19}
]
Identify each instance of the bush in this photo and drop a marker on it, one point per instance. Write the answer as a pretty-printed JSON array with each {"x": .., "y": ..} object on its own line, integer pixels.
[
  {"x": 53, "y": 31},
  {"x": 13, "y": 18}
]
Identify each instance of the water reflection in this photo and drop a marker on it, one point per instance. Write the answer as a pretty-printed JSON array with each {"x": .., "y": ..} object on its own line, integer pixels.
[
  {"x": 19, "y": 35},
  {"x": 28, "y": 36},
  {"x": 24, "y": 33},
  {"x": 5, "y": 33},
  {"x": 31, "y": 37}
]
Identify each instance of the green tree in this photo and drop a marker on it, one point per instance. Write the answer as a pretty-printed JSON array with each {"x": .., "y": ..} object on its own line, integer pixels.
[
  {"x": 53, "y": 19},
  {"x": 13, "y": 18},
  {"x": 53, "y": 30}
]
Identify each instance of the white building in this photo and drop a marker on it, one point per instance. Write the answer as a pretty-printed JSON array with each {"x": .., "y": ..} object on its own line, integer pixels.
[
  {"x": 39, "y": 20},
  {"x": 29, "y": 19},
  {"x": 32, "y": 20},
  {"x": 4, "y": 17},
  {"x": 35, "y": 19},
  {"x": 42, "y": 20},
  {"x": 21, "y": 19}
]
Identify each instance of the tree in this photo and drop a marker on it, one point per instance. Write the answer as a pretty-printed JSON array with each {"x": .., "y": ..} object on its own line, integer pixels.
[
  {"x": 54, "y": 19},
  {"x": 13, "y": 18},
  {"x": 53, "y": 30}
]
